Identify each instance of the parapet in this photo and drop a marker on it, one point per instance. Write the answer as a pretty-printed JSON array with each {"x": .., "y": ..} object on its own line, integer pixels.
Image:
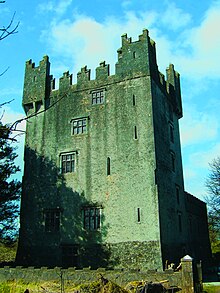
[
  {"x": 65, "y": 81},
  {"x": 135, "y": 59},
  {"x": 102, "y": 72},
  {"x": 83, "y": 76}
]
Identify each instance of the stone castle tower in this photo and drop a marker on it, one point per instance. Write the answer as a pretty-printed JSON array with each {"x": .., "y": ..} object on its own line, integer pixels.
[{"x": 103, "y": 181}]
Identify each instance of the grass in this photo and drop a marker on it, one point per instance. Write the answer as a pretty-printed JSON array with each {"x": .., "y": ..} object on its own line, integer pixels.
[
  {"x": 210, "y": 288},
  {"x": 18, "y": 287},
  {"x": 55, "y": 287}
]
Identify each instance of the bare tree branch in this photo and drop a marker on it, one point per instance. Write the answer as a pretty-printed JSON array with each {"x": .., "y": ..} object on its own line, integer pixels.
[
  {"x": 9, "y": 29},
  {"x": 4, "y": 71},
  {"x": 13, "y": 127},
  {"x": 1, "y": 105},
  {"x": 5, "y": 103}
]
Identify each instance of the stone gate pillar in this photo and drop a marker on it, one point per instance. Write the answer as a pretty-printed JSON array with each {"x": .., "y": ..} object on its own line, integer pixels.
[{"x": 187, "y": 274}]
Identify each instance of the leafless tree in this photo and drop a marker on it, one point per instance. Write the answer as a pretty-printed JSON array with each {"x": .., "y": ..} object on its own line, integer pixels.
[
  {"x": 213, "y": 201},
  {"x": 10, "y": 29}
]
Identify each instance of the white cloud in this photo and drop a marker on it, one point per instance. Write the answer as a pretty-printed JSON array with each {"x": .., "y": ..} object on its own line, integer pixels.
[
  {"x": 126, "y": 3},
  {"x": 174, "y": 18},
  {"x": 196, "y": 169},
  {"x": 202, "y": 159},
  {"x": 43, "y": 7},
  {"x": 198, "y": 127},
  {"x": 197, "y": 55},
  {"x": 62, "y": 6},
  {"x": 87, "y": 41},
  {"x": 59, "y": 8}
]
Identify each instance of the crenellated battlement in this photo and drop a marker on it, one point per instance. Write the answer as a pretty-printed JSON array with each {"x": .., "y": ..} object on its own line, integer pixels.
[
  {"x": 65, "y": 80},
  {"x": 102, "y": 72},
  {"x": 83, "y": 76},
  {"x": 135, "y": 59},
  {"x": 30, "y": 64}
]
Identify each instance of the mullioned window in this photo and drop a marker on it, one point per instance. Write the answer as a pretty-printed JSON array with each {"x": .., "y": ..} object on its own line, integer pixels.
[
  {"x": 67, "y": 162},
  {"x": 91, "y": 218},
  {"x": 79, "y": 126},
  {"x": 52, "y": 220},
  {"x": 98, "y": 97}
]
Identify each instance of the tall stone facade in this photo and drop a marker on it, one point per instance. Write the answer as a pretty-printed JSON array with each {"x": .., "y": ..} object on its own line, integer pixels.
[{"x": 103, "y": 181}]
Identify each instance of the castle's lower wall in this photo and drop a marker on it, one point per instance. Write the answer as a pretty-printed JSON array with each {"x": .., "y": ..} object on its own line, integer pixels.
[
  {"x": 136, "y": 255},
  {"x": 132, "y": 255}
]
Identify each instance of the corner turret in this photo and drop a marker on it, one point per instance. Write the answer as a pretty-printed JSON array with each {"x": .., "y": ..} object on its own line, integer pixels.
[
  {"x": 173, "y": 88},
  {"x": 136, "y": 58},
  {"x": 37, "y": 84}
]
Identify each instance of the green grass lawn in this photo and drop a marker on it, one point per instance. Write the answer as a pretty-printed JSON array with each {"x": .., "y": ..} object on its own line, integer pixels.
[{"x": 211, "y": 287}]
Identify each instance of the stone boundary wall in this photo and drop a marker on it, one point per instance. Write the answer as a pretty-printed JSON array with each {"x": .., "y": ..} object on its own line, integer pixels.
[{"x": 183, "y": 279}]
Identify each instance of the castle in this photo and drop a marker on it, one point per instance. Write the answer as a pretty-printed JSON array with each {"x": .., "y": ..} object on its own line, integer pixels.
[{"x": 103, "y": 180}]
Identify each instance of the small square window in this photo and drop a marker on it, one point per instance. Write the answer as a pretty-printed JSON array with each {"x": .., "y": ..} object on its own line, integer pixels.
[
  {"x": 67, "y": 163},
  {"x": 91, "y": 218},
  {"x": 98, "y": 97},
  {"x": 52, "y": 220},
  {"x": 79, "y": 126}
]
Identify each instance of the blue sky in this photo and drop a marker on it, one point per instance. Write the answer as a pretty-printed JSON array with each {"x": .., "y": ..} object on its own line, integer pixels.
[{"x": 75, "y": 33}]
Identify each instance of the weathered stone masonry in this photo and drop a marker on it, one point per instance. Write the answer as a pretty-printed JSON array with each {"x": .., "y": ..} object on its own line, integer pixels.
[{"x": 103, "y": 181}]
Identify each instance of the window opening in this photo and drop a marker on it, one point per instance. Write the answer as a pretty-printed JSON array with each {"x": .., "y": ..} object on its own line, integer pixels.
[
  {"x": 135, "y": 132},
  {"x": 52, "y": 220},
  {"x": 67, "y": 163},
  {"x": 98, "y": 97},
  {"x": 79, "y": 126},
  {"x": 139, "y": 215},
  {"x": 91, "y": 218},
  {"x": 180, "y": 222},
  {"x": 28, "y": 107},
  {"x": 134, "y": 100},
  {"x": 108, "y": 166},
  {"x": 38, "y": 106}
]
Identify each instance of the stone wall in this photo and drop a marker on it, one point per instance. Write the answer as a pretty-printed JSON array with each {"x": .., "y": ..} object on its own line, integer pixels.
[{"x": 184, "y": 278}]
